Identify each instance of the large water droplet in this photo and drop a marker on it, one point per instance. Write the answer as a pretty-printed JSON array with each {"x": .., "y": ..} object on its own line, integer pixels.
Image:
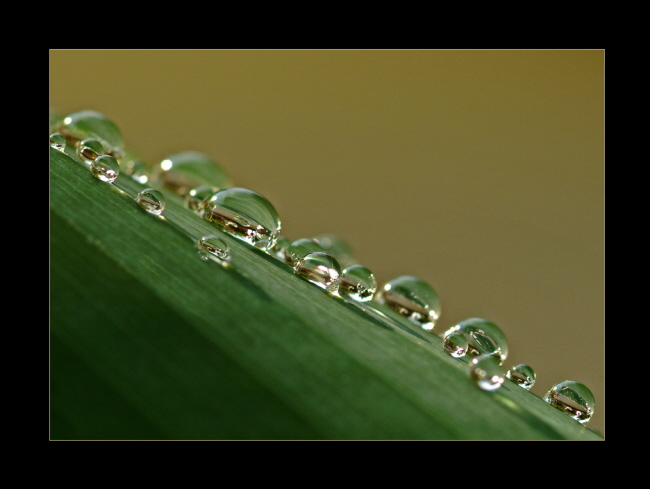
[
  {"x": 357, "y": 283},
  {"x": 89, "y": 124},
  {"x": 214, "y": 248},
  {"x": 89, "y": 149},
  {"x": 57, "y": 141},
  {"x": 320, "y": 269},
  {"x": 413, "y": 298},
  {"x": 483, "y": 337},
  {"x": 151, "y": 200},
  {"x": 522, "y": 375},
  {"x": 339, "y": 249},
  {"x": 486, "y": 372},
  {"x": 245, "y": 215},
  {"x": 573, "y": 398},
  {"x": 300, "y": 248},
  {"x": 106, "y": 168},
  {"x": 186, "y": 170}
]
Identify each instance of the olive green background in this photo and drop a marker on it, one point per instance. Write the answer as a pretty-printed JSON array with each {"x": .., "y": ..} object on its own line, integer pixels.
[{"x": 480, "y": 171}]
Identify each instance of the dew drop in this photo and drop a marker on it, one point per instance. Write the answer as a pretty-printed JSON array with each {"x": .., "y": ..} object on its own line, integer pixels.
[
  {"x": 413, "y": 298},
  {"x": 280, "y": 247},
  {"x": 522, "y": 375},
  {"x": 89, "y": 124},
  {"x": 245, "y": 215},
  {"x": 106, "y": 168},
  {"x": 320, "y": 269},
  {"x": 214, "y": 248},
  {"x": 357, "y": 283},
  {"x": 300, "y": 248},
  {"x": 57, "y": 141},
  {"x": 134, "y": 166},
  {"x": 187, "y": 170},
  {"x": 195, "y": 198},
  {"x": 483, "y": 337},
  {"x": 486, "y": 372},
  {"x": 89, "y": 149},
  {"x": 573, "y": 398},
  {"x": 455, "y": 344},
  {"x": 151, "y": 200},
  {"x": 336, "y": 247}
]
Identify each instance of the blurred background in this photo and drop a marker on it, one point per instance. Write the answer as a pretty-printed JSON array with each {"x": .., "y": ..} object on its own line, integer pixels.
[{"x": 479, "y": 171}]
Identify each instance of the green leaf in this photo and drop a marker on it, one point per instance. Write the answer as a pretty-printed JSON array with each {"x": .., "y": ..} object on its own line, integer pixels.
[{"x": 147, "y": 341}]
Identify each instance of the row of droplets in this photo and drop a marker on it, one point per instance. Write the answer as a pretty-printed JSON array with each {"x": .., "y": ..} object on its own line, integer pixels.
[{"x": 325, "y": 261}]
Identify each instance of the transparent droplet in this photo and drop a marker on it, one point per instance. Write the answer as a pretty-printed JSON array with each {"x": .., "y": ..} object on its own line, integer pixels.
[
  {"x": 486, "y": 372},
  {"x": 300, "y": 248},
  {"x": 573, "y": 398},
  {"x": 522, "y": 375},
  {"x": 195, "y": 198},
  {"x": 280, "y": 247},
  {"x": 187, "y": 170},
  {"x": 89, "y": 149},
  {"x": 357, "y": 283},
  {"x": 320, "y": 269},
  {"x": 151, "y": 200},
  {"x": 245, "y": 215},
  {"x": 214, "y": 248},
  {"x": 483, "y": 337},
  {"x": 89, "y": 124},
  {"x": 338, "y": 248},
  {"x": 414, "y": 299},
  {"x": 134, "y": 166},
  {"x": 57, "y": 141},
  {"x": 106, "y": 168},
  {"x": 455, "y": 344}
]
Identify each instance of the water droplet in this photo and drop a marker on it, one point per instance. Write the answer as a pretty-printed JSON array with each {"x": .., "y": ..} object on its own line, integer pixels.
[
  {"x": 245, "y": 215},
  {"x": 214, "y": 248},
  {"x": 320, "y": 269},
  {"x": 195, "y": 198},
  {"x": 413, "y": 298},
  {"x": 57, "y": 141},
  {"x": 455, "y": 344},
  {"x": 134, "y": 166},
  {"x": 89, "y": 149},
  {"x": 186, "y": 170},
  {"x": 106, "y": 168},
  {"x": 522, "y": 375},
  {"x": 151, "y": 200},
  {"x": 573, "y": 398},
  {"x": 299, "y": 248},
  {"x": 338, "y": 248},
  {"x": 487, "y": 372},
  {"x": 357, "y": 283},
  {"x": 483, "y": 337},
  {"x": 280, "y": 247},
  {"x": 89, "y": 124}
]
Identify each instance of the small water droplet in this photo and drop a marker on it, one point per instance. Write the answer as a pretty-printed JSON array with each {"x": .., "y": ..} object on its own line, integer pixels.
[
  {"x": 280, "y": 247},
  {"x": 134, "y": 166},
  {"x": 320, "y": 269},
  {"x": 487, "y": 372},
  {"x": 522, "y": 375},
  {"x": 151, "y": 200},
  {"x": 89, "y": 124},
  {"x": 195, "y": 198},
  {"x": 300, "y": 248},
  {"x": 455, "y": 344},
  {"x": 483, "y": 337},
  {"x": 413, "y": 298},
  {"x": 214, "y": 248},
  {"x": 187, "y": 170},
  {"x": 57, "y": 141},
  {"x": 573, "y": 398},
  {"x": 244, "y": 214},
  {"x": 89, "y": 149},
  {"x": 106, "y": 168},
  {"x": 338, "y": 248},
  {"x": 357, "y": 283}
]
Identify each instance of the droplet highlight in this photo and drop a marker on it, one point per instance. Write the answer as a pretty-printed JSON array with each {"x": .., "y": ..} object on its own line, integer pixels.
[
  {"x": 357, "y": 283},
  {"x": 244, "y": 214},
  {"x": 523, "y": 375},
  {"x": 320, "y": 269},
  {"x": 215, "y": 249},
  {"x": 106, "y": 168},
  {"x": 57, "y": 141},
  {"x": 338, "y": 248},
  {"x": 414, "y": 299},
  {"x": 300, "y": 248},
  {"x": 574, "y": 398},
  {"x": 152, "y": 201},
  {"x": 483, "y": 337},
  {"x": 486, "y": 372},
  {"x": 90, "y": 124},
  {"x": 186, "y": 170}
]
